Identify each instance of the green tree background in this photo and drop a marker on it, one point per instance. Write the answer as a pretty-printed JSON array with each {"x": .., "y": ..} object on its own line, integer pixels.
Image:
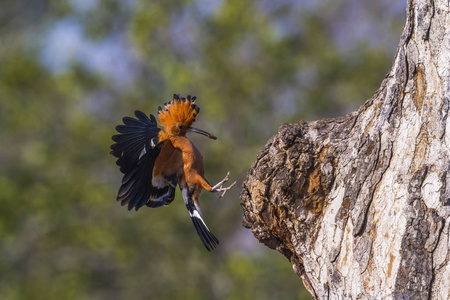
[{"x": 70, "y": 70}]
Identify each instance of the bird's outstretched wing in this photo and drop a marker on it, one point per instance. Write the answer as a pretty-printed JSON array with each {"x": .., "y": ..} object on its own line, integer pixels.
[
  {"x": 137, "y": 146},
  {"x": 208, "y": 239}
]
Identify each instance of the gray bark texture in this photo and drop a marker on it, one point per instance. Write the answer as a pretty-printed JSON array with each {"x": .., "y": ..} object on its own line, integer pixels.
[{"x": 360, "y": 204}]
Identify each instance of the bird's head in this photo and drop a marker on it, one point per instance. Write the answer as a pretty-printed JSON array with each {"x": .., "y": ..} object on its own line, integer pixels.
[{"x": 178, "y": 115}]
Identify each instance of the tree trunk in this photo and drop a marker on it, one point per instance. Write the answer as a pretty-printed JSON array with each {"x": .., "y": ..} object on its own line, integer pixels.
[{"x": 360, "y": 204}]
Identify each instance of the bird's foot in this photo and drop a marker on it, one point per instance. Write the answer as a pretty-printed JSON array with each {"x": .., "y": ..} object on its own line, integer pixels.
[{"x": 218, "y": 187}]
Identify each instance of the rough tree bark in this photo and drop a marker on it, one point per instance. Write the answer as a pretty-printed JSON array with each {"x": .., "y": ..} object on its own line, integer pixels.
[{"x": 360, "y": 204}]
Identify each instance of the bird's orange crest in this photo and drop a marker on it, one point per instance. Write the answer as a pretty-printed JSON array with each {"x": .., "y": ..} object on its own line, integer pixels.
[{"x": 179, "y": 111}]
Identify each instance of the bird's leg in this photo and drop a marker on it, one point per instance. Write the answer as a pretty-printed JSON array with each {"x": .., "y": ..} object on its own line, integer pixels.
[{"x": 218, "y": 187}]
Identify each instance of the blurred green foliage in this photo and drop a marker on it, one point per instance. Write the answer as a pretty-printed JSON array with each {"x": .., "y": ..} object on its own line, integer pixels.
[{"x": 69, "y": 70}]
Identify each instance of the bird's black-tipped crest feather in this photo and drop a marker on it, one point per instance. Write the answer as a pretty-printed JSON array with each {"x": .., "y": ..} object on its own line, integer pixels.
[{"x": 179, "y": 111}]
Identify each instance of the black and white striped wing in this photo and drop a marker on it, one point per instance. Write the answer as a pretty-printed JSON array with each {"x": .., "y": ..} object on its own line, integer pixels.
[{"x": 137, "y": 146}]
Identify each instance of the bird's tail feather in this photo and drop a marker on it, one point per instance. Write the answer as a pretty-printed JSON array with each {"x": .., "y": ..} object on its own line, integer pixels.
[{"x": 208, "y": 239}]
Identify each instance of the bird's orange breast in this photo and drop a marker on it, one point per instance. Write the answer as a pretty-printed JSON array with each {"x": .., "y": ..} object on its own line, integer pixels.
[
  {"x": 168, "y": 163},
  {"x": 178, "y": 157}
]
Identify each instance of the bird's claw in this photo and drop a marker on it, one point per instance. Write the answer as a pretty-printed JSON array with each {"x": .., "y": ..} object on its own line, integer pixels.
[
  {"x": 224, "y": 190},
  {"x": 218, "y": 187}
]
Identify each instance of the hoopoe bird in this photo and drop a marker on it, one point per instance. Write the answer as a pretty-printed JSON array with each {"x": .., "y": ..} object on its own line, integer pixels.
[{"x": 154, "y": 161}]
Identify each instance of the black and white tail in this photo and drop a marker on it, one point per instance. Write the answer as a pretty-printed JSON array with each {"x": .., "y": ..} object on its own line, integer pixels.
[{"x": 208, "y": 239}]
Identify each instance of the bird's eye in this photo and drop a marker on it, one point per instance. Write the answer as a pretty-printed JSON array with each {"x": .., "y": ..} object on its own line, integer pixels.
[{"x": 180, "y": 126}]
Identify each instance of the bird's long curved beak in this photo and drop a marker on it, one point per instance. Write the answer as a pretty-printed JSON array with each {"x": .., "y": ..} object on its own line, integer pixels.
[{"x": 196, "y": 130}]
